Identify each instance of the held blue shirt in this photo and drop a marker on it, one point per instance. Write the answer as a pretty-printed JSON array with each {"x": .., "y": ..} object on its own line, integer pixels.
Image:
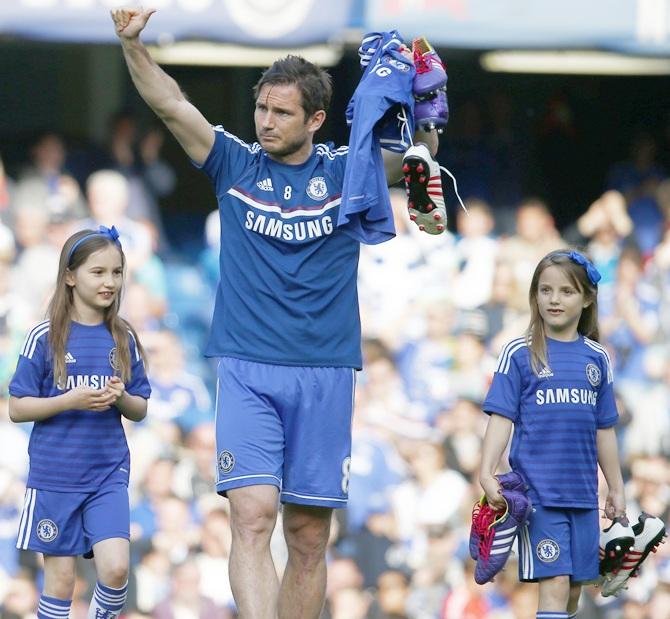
[
  {"x": 287, "y": 293},
  {"x": 76, "y": 450},
  {"x": 556, "y": 416}
]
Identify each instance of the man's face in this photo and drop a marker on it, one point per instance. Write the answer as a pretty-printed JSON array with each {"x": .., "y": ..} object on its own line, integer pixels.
[{"x": 281, "y": 127}]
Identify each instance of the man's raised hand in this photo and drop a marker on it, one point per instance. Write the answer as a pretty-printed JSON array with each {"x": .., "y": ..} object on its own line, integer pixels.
[{"x": 130, "y": 22}]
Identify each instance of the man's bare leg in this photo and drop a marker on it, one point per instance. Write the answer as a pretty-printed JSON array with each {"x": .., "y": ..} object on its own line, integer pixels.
[
  {"x": 303, "y": 587},
  {"x": 253, "y": 578}
]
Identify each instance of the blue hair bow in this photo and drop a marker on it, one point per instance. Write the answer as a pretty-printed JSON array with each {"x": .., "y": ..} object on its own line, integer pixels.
[
  {"x": 110, "y": 233},
  {"x": 592, "y": 273}
]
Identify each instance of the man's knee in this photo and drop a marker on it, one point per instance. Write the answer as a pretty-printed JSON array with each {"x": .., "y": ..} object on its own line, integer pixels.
[
  {"x": 253, "y": 512},
  {"x": 306, "y": 530}
]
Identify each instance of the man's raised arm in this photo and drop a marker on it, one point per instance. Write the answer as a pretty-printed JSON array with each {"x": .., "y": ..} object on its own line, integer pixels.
[{"x": 159, "y": 90}]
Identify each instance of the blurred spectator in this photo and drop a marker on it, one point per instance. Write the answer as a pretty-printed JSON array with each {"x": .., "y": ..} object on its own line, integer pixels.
[
  {"x": 463, "y": 427},
  {"x": 6, "y": 191},
  {"x": 177, "y": 394},
  {"x": 137, "y": 155},
  {"x": 157, "y": 485},
  {"x": 419, "y": 504},
  {"x": 20, "y": 600},
  {"x": 7, "y": 244},
  {"x": 648, "y": 489},
  {"x": 371, "y": 544},
  {"x": 208, "y": 260},
  {"x": 37, "y": 263},
  {"x": 638, "y": 179},
  {"x": 343, "y": 576},
  {"x": 195, "y": 475},
  {"x": 391, "y": 596},
  {"x": 177, "y": 534},
  {"x": 640, "y": 174},
  {"x": 152, "y": 575},
  {"x": 476, "y": 251},
  {"x": 425, "y": 362},
  {"x": 137, "y": 308},
  {"x": 472, "y": 365},
  {"x": 213, "y": 558},
  {"x": 393, "y": 276},
  {"x": 46, "y": 184},
  {"x": 629, "y": 323},
  {"x": 185, "y": 598},
  {"x": 605, "y": 226},
  {"x": 536, "y": 235},
  {"x": 376, "y": 468},
  {"x": 659, "y": 277},
  {"x": 16, "y": 316},
  {"x": 108, "y": 194},
  {"x": 467, "y": 600}
]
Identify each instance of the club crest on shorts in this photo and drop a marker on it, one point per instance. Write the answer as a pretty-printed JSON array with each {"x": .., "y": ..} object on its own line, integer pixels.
[
  {"x": 47, "y": 530},
  {"x": 113, "y": 361},
  {"x": 317, "y": 188},
  {"x": 593, "y": 374},
  {"x": 547, "y": 550},
  {"x": 226, "y": 461}
]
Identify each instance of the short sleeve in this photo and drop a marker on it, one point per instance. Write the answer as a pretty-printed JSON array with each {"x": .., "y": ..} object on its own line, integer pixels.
[
  {"x": 504, "y": 395},
  {"x": 606, "y": 409},
  {"x": 229, "y": 158},
  {"x": 139, "y": 383},
  {"x": 31, "y": 368}
]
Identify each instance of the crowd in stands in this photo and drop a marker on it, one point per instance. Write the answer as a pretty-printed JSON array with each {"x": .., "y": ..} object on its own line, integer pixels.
[{"x": 436, "y": 311}]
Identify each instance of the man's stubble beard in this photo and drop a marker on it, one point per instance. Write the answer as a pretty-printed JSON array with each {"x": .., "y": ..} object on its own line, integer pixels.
[{"x": 285, "y": 150}]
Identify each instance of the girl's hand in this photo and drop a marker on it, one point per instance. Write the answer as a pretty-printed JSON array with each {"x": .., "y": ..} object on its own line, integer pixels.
[
  {"x": 115, "y": 388},
  {"x": 615, "y": 504},
  {"x": 87, "y": 398},
  {"x": 493, "y": 492}
]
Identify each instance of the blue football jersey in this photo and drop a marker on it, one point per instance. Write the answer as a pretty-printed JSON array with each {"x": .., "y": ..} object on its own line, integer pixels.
[
  {"x": 287, "y": 293},
  {"x": 556, "y": 415},
  {"x": 76, "y": 450}
]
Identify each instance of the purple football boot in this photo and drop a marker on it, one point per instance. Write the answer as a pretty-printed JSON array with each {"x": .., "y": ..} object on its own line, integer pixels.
[
  {"x": 431, "y": 110},
  {"x": 496, "y": 543},
  {"x": 481, "y": 512},
  {"x": 431, "y": 75},
  {"x": 432, "y": 113}
]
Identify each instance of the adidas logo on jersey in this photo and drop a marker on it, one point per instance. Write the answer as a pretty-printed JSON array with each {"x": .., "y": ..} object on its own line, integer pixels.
[
  {"x": 265, "y": 184},
  {"x": 545, "y": 373},
  {"x": 69, "y": 358}
]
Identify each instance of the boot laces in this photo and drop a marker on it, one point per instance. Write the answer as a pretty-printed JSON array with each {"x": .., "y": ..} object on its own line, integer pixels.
[
  {"x": 483, "y": 519},
  {"x": 421, "y": 62}
]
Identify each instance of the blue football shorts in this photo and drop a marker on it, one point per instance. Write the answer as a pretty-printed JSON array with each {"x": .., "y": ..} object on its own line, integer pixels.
[
  {"x": 559, "y": 541},
  {"x": 285, "y": 426},
  {"x": 69, "y": 523}
]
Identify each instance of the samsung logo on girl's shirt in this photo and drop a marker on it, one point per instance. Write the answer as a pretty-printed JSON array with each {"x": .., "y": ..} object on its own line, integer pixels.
[
  {"x": 95, "y": 381},
  {"x": 566, "y": 396}
]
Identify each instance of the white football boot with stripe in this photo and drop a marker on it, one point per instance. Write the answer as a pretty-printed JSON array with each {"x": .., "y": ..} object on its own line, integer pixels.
[
  {"x": 615, "y": 541},
  {"x": 649, "y": 535},
  {"x": 423, "y": 182}
]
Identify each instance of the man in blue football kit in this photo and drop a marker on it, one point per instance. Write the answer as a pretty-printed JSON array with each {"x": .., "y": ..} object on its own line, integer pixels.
[{"x": 286, "y": 325}]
